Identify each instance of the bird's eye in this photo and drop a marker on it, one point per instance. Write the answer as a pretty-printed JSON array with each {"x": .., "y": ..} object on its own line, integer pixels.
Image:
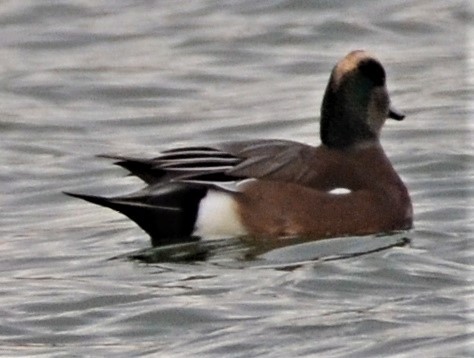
[{"x": 373, "y": 70}]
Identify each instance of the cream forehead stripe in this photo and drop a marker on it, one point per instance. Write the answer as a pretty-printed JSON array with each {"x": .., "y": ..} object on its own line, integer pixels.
[{"x": 349, "y": 63}]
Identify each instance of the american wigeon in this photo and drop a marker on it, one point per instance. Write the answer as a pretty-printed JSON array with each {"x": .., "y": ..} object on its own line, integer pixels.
[{"x": 274, "y": 188}]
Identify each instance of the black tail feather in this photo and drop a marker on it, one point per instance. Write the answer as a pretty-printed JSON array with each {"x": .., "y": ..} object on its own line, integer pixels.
[{"x": 165, "y": 224}]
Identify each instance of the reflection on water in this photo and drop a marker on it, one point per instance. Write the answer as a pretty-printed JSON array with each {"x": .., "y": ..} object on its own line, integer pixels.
[
  {"x": 84, "y": 78},
  {"x": 271, "y": 250}
]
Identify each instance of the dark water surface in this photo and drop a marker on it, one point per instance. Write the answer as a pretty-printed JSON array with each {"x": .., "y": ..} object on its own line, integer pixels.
[{"x": 80, "y": 78}]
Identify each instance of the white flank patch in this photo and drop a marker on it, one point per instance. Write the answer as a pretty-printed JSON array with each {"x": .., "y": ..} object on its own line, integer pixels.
[
  {"x": 339, "y": 191},
  {"x": 217, "y": 216}
]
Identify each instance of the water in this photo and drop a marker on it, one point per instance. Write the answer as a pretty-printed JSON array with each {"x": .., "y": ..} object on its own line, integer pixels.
[{"x": 133, "y": 77}]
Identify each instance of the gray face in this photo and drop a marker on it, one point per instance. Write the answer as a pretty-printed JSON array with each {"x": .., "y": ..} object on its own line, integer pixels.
[{"x": 378, "y": 108}]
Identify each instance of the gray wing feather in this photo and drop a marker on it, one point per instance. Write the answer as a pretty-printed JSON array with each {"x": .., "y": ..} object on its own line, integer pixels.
[{"x": 226, "y": 162}]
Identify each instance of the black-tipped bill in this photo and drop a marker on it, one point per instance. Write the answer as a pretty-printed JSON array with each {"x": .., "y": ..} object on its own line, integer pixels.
[{"x": 395, "y": 114}]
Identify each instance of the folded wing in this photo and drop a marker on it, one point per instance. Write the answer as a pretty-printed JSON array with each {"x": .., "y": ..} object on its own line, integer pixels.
[{"x": 228, "y": 162}]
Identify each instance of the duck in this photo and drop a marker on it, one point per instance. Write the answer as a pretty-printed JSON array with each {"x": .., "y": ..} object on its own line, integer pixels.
[{"x": 274, "y": 188}]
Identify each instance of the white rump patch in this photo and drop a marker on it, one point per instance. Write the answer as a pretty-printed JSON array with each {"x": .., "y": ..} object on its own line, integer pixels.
[
  {"x": 339, "y": 191},
  {"x": 217, "y": 216}
]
